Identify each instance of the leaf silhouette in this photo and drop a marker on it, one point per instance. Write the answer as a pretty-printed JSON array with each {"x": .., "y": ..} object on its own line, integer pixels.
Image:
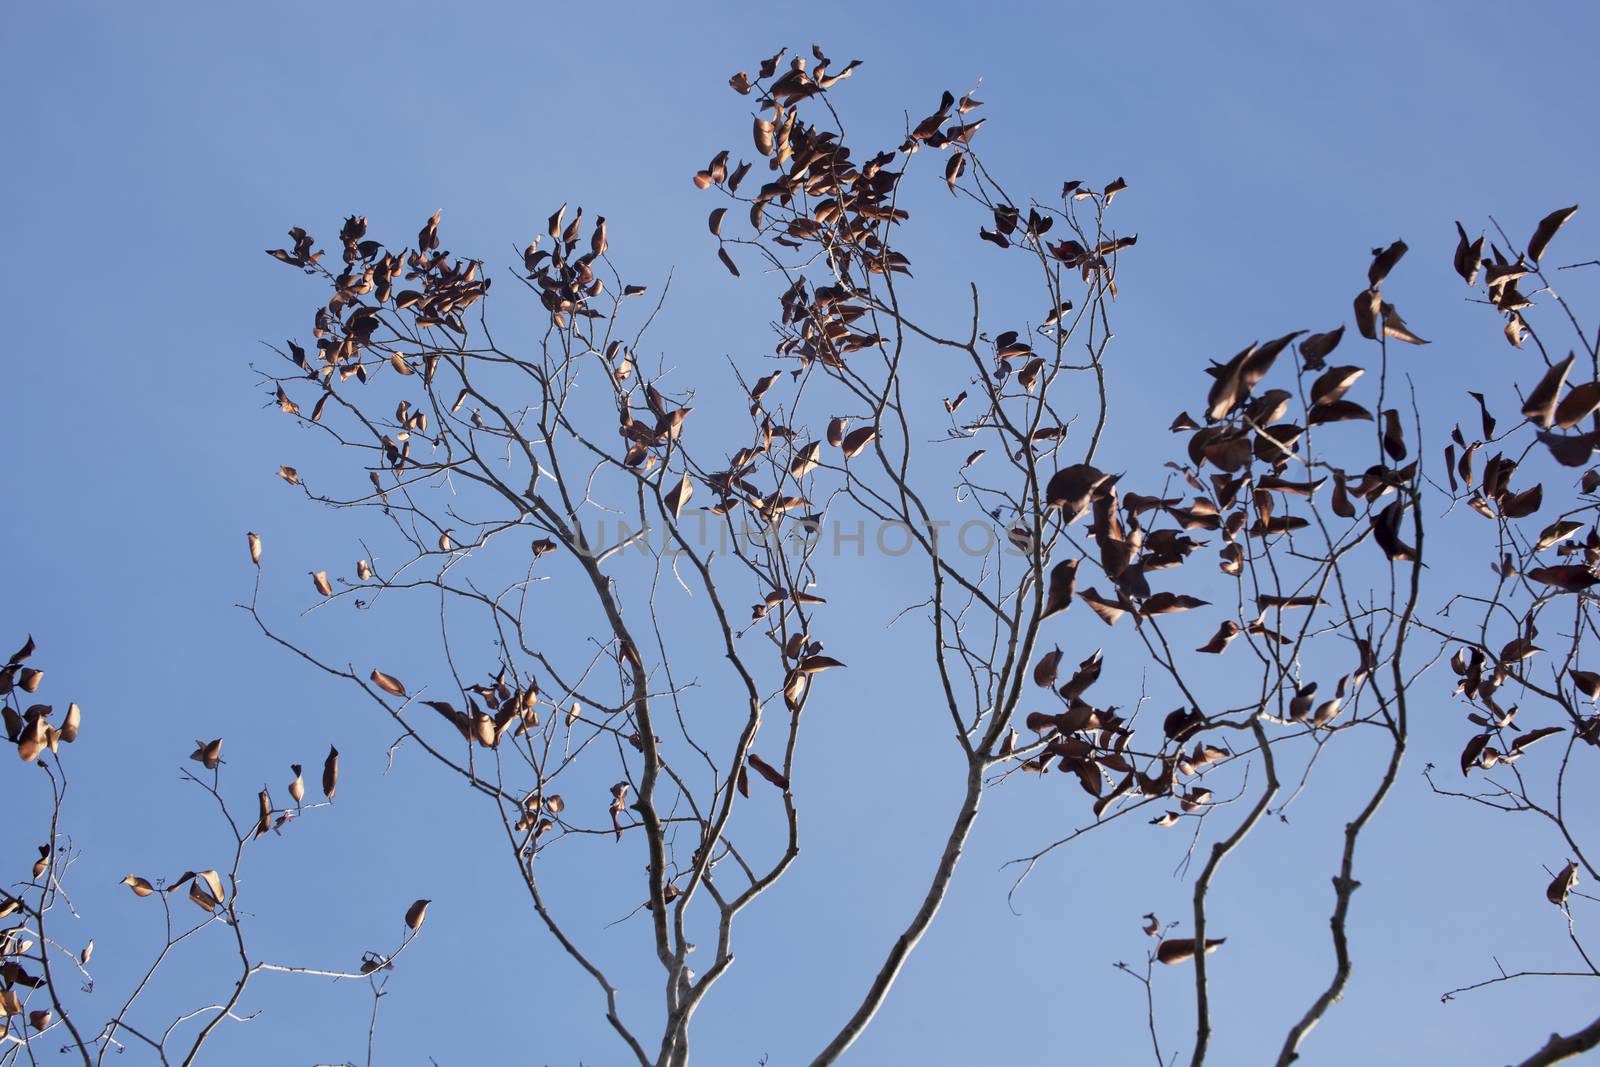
[{"x": 1547, "y": 229}]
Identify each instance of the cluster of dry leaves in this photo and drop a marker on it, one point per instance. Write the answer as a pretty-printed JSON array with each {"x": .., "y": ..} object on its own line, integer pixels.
[{"x": 1289, "y": 534}]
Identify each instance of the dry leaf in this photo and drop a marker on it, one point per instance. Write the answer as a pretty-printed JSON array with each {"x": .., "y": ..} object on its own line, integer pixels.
[
  {"x": 392, "y": 686},
  {"x": 140, "y": 886},
  {"x": 1562, "y": 885},
  {"x": 1181, "y": 949},
  {"x": 1547, "y": 229},
  {"x": 679, "y": 496},
  {"x": 208, "y": 753}
]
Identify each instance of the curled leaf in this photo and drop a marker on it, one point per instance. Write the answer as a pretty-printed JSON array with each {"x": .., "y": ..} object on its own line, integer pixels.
[
  {"x": 208, "y": 753},
  {"x": 768, "y": 771},
  {"x": 1182, "y": 949},
  {"x": 141, "y": 886},
  {"x": 330, "y": 773},
  {"x": 389, "y": 684},
  {"x": 1561, "y": 885},
  {"x": 857, "y": 440}
]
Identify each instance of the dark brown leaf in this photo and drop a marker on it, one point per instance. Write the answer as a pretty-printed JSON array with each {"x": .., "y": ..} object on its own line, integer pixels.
[
  {"x": 1560, "y": 886},
  {"x": 1547, "y": 229},
  {"x": 1063, "y": 581}
]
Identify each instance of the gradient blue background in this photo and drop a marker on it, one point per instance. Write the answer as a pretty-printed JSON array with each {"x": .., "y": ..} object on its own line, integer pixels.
[{"x": 153, "y": 150}]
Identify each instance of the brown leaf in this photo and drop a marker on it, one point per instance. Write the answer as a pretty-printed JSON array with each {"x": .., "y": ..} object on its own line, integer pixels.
[
  {"x": 1108, "y": 610},
  {"x": 1367, "y": 304},
  {"x": 255, "y": 548},
  {"x": 208, "y": 900},
  {"x": 460, "y": 720},
  {"x": 1533, "y": 736},
  {"x": 1474, "y": 749},
  {"x": 679, "y": 496},
  {"x": 1028, "y": 376},
  {"x": 1273, "y": 600},
  {"x": 1395, "y": 327},
  {"x": 264, "y": 818},
  {"x": 1063, "y": 580},
  {"x": 1182, "y": 949},
  {"x": 805, "y": 460},
  {"x": 1577, "y": 405},
  {"x": 1315, "y": 349},
  {"x": 140, "y": 886},
  {"x": 389, "y": 684},
  {"x": 1561, "y": 885},
  {"x": 1555, "y": 533},
  {"x": 856, "y": 440},
  {"x": 1386, "y": 531},
  {"x": 1569, "y": 577},
  {"x": 1074, "y": 488},
  {"x": 208, "y": 753},
  {"x": 1219, "y": 640},
  {"x": 1044, "y": 673},
  {"x": 1469, "y": 254},
  {"x": 1547, "y": 229},
  {"x": 1394, "y": 441},
  {"x": 953, "y": 170},
  {"x": 21, "y": 654},
  {"x": 1383, "y": 261},
  {"x": 1167, "y": 603},
  {"x": 1333, "y": 384},
  {"x": 416, "y": 913},
  {"x": 768, "y": 771},
  {"x": 320, "y": 580},
  {"x": 330, "y": 773},
  {"x": 1540, "y": 406}
]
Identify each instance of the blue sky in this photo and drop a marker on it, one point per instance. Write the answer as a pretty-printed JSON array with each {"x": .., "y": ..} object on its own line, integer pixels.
[{"x": 156, "y": 149}]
